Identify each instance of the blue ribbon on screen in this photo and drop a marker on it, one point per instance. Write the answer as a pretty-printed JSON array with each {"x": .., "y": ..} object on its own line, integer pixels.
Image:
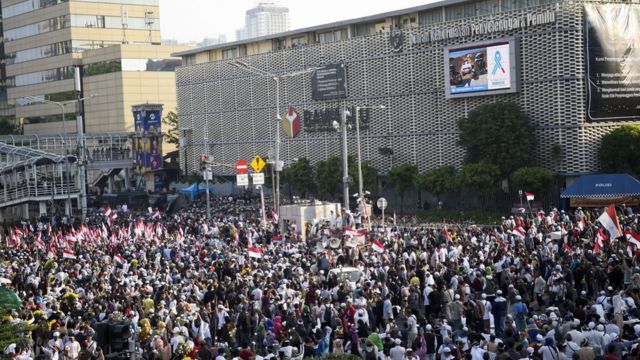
[{"x": 498, "y": 64}]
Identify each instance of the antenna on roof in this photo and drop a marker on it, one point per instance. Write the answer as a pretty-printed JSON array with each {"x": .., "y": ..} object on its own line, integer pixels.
[
  {"x": 124, "y": 19},
  {"x": 148, "y": 23}
]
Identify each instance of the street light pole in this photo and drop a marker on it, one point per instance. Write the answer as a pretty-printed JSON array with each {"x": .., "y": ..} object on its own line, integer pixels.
[
  {"x": 278, "y": 167},
  {"x": 345, "y": 162},
  {"x": 276, "y": 191}
]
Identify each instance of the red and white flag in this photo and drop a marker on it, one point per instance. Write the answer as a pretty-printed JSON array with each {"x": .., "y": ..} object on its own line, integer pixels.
[
  {"x": 530, "y": 196},
  {"x": 567, "y": 248},
  {"x": 276, "y": 237},
  {"x": 274, "y": 216},
  {"x": 519, "y": 232},
  {"x": 68, "y": 254},
  {"x": 107, "y": 211},
  {"x": 359, "y": 235},
  {"x": 377, "y": 246},
  {"x": 254, "y": 252},
  {"x": 581, "y": 224},
  {"x": 633, "y": 238},
  {"x": 609, "y": 220},
  {"x": 117, "y": 258},
  {"x": 447, "y": 236},
  {"x": 600, "y": 238}
]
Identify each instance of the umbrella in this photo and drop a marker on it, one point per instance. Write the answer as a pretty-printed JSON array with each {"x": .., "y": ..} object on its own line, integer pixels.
[{"x": 9, "y": 300}]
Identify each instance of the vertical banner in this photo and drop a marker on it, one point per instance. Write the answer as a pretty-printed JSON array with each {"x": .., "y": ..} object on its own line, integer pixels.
[
  {"x": 612, "y": 42},
  {"x": 147, "y": 141}
]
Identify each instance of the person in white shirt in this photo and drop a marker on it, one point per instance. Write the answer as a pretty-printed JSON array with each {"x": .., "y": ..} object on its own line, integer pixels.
[
  {"x": 397, "y": 352},
  {"x": 477, "y": 352},
  {"x": 72, "y": 348}
]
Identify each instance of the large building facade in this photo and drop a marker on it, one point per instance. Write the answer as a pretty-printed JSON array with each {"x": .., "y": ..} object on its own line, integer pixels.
[
  {"x": 264, "y": 19},
  {"x": 429, "y": 66},
  {"x": 117, "y": 44}
]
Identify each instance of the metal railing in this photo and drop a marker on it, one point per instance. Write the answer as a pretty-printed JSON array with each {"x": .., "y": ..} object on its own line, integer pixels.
[{"x": 32, "y": 191}]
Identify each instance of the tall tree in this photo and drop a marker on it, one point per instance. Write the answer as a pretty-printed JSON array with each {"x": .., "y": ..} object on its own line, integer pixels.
[
  {"x": 7, "y": 127},
  {"x": 620, "y": 150},
  {"x": 299, "y": 176},
  {"x": 533, "y": 179},
  {"x": 402, "y": 178},
  {"x": 480, "y": 177},
  {"x": 438, "y": 181},
  {"x": 172, "y": 132},
  {"x": 500, "y": 134},
  {"x": 328, "y": 175}
]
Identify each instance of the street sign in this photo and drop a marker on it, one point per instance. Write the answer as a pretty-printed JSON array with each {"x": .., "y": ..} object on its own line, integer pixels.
[
  {"x": 242, "y": 179},
  {"x": 382, "y": 203},
  {"x": 257, "y": 164},
  {"x": 207, "y": 175},
  {"x": 257, "y": 178},
  {"x": 241, "y": 167}
]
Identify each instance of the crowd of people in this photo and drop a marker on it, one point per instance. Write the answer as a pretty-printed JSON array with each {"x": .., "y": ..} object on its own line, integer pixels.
[{"x": 544, "y": 286}]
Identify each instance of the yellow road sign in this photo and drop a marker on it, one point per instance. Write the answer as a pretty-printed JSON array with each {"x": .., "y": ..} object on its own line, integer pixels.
[{"x": 257, "y": 164}]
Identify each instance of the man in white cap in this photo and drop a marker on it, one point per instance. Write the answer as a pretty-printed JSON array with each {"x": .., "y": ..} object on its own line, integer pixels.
[{"x": 398, "y": 352}]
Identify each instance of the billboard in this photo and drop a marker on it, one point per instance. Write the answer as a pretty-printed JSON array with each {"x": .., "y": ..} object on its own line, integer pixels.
[
  {"x": 147, "y": 141},
  {"x": 481, "y": 69},
  {"x": 329, "y": 82},
  {"x": 612, "y": 60}
]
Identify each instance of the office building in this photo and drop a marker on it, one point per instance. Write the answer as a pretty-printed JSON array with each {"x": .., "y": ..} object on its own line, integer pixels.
[
  {"x": 117, "y": 44},
  {"x": 264, "y": 19},
  {"x": 429, "y": 65}
]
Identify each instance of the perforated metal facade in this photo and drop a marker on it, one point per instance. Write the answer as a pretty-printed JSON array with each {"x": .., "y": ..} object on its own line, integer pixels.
[{"x": 235, "y": 109}]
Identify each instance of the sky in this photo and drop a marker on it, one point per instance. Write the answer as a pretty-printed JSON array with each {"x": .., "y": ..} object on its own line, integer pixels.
[{"x": 193, "y": 20}]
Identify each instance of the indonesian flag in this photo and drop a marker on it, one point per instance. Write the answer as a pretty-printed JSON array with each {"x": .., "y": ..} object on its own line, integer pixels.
[
  {"x": 633, "y": 238},
  {"x": 519, "y": 232},
  {"x": 276, "y": 237},
  {"x": 609, "y": 220},
  {"x": 567, "y": 248},
  {"x": 254, "y": 252},
  {"x": 274, "y": 216},
  {"x": 600, "y": 238},
  {"x": 377, "y": 246},
  {"x": 359, "y": 235},
  {"x": 117, "y": 258},
  {"x": 38, "y": 243},
  {"x": 68, "y": 254},
  {"x": 107, "y": 211},
  {"x": 155, "y": 214},
  {"x": 447, "y": 236},
  {"x": 51, "y": 254},
  {"x": 581, "y": 224},
  {"x": 530, "y": 196}
]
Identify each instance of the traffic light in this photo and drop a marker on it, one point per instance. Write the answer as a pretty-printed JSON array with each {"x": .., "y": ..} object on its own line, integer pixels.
[{"x": 203, "y": 162}]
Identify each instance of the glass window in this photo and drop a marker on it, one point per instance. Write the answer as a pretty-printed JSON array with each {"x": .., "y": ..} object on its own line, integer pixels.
[
  {"x": 333, "y": 35},
  {"x": 459, "y": 12},
  {"x": 230, "y": 53},
  {"x": 189, "y": 60},
  {"x": 431, "y": 17},
  {"x": 364, "y": 29},
  {"x": 41, "y": 76},
  {"x": 52, "y": 24},
  {"x": 79, "y": 46},
  {"x": 27, "y": 6},
  {"x": 39, "y": 52},
  {"x": 487, "y": 7},
  {"x": 299, "y": 41}
]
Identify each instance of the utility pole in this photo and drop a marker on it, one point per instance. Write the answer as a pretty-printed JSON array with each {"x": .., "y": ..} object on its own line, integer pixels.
[
  {"x": 82, "y": 175},
  {"x": 345, "y": 161}
]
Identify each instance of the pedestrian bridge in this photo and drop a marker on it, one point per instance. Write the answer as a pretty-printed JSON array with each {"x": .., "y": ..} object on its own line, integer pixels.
[{"x": 34, "y": 168}]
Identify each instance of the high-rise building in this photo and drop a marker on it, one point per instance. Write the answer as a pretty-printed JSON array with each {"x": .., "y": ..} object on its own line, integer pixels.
[
  {"x": 264, "y": 19},
  {"x": 115, "y": 42}
]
